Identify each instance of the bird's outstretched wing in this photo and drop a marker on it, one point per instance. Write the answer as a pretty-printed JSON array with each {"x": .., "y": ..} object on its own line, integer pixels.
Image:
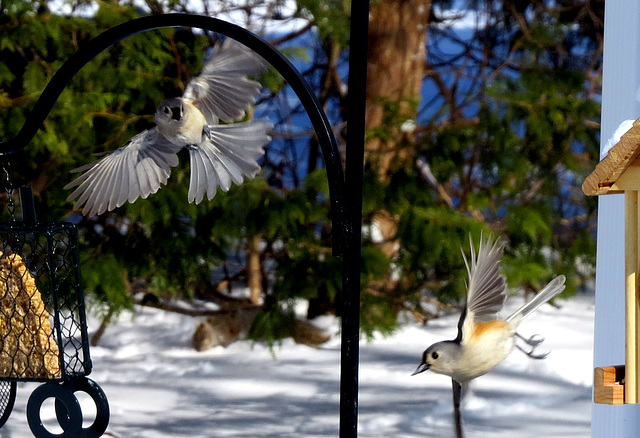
[
  {"x": 134, "y": 171},
  {"x": 227, "y": 154},
  {"x": 222, "y": 91},
  {"x": 486, "y": 288}
]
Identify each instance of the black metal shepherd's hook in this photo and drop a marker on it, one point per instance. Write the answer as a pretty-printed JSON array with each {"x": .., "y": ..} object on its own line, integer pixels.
[
  {"x": 345, "y": 188},
  {"x": 110, "y": 37}
]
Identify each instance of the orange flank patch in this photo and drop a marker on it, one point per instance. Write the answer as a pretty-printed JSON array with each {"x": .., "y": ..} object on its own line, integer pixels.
[{"x": 485, "y": 328}]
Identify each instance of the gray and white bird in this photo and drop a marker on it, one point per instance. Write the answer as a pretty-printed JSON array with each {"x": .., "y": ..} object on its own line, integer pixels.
[
  {"x": 484, "y": 340},
  {"x": 220, "y": 154}
]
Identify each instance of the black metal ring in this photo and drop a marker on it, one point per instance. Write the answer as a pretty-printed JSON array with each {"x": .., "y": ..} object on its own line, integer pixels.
[
  {"x": 88, "y": 386},
  {"x": 72, "y": 424}
]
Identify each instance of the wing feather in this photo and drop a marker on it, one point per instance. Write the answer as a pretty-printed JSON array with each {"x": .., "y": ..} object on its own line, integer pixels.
[
  {"x": 103, "y": 196},
  {"x": 122, "y": 193},
  {"x": 135, "y": 170},
  {"x": 222, "y": 91},
  {"x": 228, "y": 154},
  {"x": 486, "y": 289},
  {"x": 198, "y": 176}
]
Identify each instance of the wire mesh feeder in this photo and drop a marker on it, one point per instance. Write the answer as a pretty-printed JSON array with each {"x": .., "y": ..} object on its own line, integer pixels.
[{"x": 43, "y": 327}]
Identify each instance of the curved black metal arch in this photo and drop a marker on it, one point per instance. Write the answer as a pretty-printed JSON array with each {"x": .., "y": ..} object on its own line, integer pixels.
[
  {"x": 299, "y": 85},
  {"x": 345, "y": 188}
]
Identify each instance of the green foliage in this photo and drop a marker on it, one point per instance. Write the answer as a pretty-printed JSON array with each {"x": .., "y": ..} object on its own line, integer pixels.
[
  {"x": 430, "y": 255},
  {"x": 377, "y": 316},
  {"x": 527, "y": 224},
  {"x": 515, "y": 170},
  {"x": 393, "y": 115},
  {"x": 106, "y": 277},
  {"x": 272, "y": 325},
  {"x": 331, "y": 17}
]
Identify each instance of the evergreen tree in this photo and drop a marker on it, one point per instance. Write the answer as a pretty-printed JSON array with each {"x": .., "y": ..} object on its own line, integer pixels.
[{"x": 493, "y": 132}]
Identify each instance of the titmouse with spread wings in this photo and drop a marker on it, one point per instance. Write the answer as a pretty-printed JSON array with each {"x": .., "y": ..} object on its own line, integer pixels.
[
  {"x": 484, "y": 340},
  {"x": 220, "y": 154}
]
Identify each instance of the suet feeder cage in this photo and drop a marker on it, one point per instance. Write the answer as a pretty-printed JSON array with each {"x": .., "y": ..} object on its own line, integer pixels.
[
  {"x": 43, "y": 328},
  {"x": 619, "y": 173}
]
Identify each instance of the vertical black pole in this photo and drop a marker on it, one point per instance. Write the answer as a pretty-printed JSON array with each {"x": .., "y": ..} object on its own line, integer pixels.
[
  {"x": 28, "y": 206},
  {"x": 457, "y": 414},
  {"x": 353, "y": 222}
]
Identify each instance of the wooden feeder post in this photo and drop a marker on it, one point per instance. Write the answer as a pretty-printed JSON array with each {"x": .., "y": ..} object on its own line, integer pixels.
[
  {"x": 619, "y": 172},
  {"x": 631, "y": 295}
]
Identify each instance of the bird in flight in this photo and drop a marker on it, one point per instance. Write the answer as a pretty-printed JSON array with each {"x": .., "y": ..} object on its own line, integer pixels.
[
  {"x": 484, "y": 340},
  {"x": 220, "y": 154}
]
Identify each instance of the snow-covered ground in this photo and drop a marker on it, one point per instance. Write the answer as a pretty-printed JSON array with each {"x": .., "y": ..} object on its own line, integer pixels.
[{"x": 158, "y": 386}]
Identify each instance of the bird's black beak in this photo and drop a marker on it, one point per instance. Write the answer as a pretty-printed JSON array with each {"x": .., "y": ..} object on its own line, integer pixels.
[
  {"x": 421, "y": 369},
  {"x": 176, "y": 113}
]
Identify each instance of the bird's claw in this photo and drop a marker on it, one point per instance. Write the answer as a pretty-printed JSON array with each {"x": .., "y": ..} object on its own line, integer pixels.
[
  {"x": 533, "y": 341},
  {"x": 532, "y": 354}
]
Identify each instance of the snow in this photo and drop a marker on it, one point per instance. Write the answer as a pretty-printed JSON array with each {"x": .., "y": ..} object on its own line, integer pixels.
[
  {"x": 615, "y": 138},
  {"x": 158, "y": 386}
]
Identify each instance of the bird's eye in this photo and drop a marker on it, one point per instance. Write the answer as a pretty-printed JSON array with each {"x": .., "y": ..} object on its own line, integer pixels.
[
  {"x": 166, "y": 110},
  {"x": 435, "y": 355}
]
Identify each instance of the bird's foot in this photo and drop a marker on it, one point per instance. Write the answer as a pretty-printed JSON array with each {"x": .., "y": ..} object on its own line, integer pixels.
[
  {"x": 533, "y": 341},
  {"x": 532, "y": 353}
]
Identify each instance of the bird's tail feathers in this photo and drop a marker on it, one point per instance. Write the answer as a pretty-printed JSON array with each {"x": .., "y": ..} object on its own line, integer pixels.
[
  {"x": 552, "y": 289},
  {"x": 227, "y": 155}
]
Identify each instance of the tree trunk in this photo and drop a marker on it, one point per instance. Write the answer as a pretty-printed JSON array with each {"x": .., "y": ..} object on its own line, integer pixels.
[
  {"x": 225, "y": 329},
  {"x": 396, "y": 59},
  {"x": 254, "y": 272},
  {"x": 396, "y": 68},
  {"x": 97, "y": 336}
]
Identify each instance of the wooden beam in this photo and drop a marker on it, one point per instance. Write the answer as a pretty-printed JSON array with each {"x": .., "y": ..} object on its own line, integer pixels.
[
  {"x": 619, "y": 158},
  {"x": 634, "y": 297},
  {"x": 631, "y": 302},
  {"x": 629, "y": 180},
  {"x": 608, "y": 385}
]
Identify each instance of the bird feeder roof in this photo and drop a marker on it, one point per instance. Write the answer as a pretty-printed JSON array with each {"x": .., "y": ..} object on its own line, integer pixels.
[{"x": 620, "y": 169}]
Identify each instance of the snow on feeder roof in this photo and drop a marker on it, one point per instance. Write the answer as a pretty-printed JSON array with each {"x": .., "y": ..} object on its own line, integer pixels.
[{"x": 619, "y": 170}]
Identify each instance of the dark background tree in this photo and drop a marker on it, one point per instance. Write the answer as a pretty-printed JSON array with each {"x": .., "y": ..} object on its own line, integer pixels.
[{"x": 483, "y": 118}]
